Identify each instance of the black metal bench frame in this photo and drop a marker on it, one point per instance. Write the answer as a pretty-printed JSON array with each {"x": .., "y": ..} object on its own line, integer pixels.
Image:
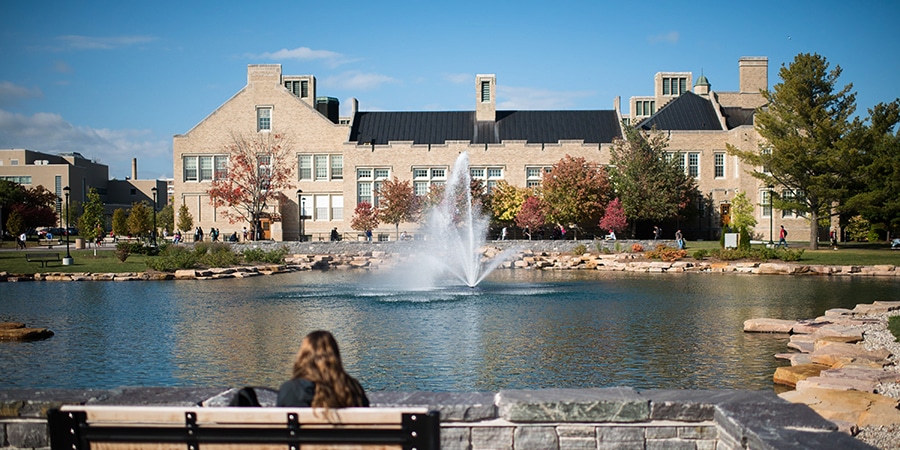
[
  {"x": 72, "y": 430},
  {"x": 42, "y": 257}
]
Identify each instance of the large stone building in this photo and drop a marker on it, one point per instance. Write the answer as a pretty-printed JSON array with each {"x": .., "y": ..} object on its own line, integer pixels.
[
  {"x": 341, "y": 161},
  {"x": 56, "y": 171}
]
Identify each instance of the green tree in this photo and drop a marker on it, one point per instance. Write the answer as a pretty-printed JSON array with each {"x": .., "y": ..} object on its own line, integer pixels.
[
  {"x": 507, "y": 200},
  {"x": 119, "y": 222},
  {"x": 90, "y": 224},
  {"x": 185, "y": 219},
  {"x": 808, "y": 147},
  {"x": 397, "y": 203},
  {"x": 877, "y": 177},
  {"x": 165, "y": 218},
  {"x": 575, "y": 192},
  {"x": 651, "y": 186},
  {"x": 140, "y": 220},
  {"x": 15, "y": 224},
  {"x": 742, "y": 212}
]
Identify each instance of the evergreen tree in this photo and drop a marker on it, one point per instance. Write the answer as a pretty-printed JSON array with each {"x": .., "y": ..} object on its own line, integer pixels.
[
  {"x": 809, "y": 148},
  {"x": 185, "y": 219}
]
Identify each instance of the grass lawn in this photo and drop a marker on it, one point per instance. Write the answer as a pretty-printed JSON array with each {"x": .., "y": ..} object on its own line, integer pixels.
[
  {"x": 85, "y": 261},
  {"x": 848, "y": 253}
]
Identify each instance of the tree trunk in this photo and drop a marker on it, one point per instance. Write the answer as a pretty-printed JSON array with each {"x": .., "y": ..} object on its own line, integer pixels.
[{"x": 813, "y": 229}]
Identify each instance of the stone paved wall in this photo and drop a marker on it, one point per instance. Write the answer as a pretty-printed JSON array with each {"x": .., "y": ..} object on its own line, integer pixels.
[{"x": 606, "y": 418}]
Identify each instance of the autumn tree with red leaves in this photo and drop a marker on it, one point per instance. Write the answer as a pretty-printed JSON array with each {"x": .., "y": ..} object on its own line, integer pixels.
[
  {"x": 397, "y": 203},
  {"x": 365, "y": 217},
  {"x": 614, "y": 217},
  {"x": 35, "y": 207},
  {"x": 575, "y": 192},
  {"x": 259, "y": 168},
  {"x": 530, "y": 216}
]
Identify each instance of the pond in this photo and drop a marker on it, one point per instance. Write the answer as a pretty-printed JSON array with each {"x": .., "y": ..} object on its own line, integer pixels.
[{"x": 519, "y": 329}]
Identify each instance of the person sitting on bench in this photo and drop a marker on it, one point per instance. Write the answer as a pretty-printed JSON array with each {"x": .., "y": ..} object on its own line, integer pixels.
[{"x": 319, "y": 379}]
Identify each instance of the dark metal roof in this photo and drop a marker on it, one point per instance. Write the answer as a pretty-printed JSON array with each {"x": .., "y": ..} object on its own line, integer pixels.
[
  {"x": 439, "y": 127},
  {"x": 735, "y": 116},
  {"x": 688, "y": 112}
]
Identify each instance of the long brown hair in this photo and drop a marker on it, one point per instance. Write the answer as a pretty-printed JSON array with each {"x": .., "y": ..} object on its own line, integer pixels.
[{"x": 319, "y": 361}]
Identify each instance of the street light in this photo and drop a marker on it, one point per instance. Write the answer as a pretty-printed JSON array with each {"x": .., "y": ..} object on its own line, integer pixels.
[
  {"x": 300, "y": 204},
  {"x": 771, "y": 213},
  {"x": 153, "y": 234},
  {"x": 67, "y": 261}
]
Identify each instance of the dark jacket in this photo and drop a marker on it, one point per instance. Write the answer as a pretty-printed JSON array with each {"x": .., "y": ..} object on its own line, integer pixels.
[{"x": 300, "y": 392}]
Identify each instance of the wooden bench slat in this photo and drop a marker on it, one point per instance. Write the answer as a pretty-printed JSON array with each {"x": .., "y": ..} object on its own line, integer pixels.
[
  {"x": 161, "y": 427},
  {"x": 233, "y": 415}
]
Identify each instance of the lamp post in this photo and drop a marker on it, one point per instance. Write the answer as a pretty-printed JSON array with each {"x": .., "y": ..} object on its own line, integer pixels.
[
  {"x": 153, "y": 234},
  {"x": 300, "y": 204},
  {"x": 771, "y": 213},
  {"x": 67, "y": 261}
]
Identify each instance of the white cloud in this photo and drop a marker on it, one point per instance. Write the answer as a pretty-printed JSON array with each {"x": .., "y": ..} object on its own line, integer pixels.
[
  {"x": 356, "y": 80},
  {"x": 50, "y": 133},
  {"x": 11, "y": 93},
  {"x": 517, "y": 98},
  {"x": 669, "y": 38},
  {"x": 77, "y": 42},
  {"x": 303, "y": 54}
]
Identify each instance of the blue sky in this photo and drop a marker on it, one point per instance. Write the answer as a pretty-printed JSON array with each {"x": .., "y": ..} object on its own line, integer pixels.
[{"x": 116, "y": 80}]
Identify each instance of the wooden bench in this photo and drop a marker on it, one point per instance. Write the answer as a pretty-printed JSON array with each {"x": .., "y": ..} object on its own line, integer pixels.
[
  {"x": 42, "y": 257},
  {"x": 48, "y": 242},
  {"x": 197, "y": 428}
]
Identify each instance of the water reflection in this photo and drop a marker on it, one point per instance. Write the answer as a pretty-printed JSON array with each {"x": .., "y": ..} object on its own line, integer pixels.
[{"x": 518, "y": 329}]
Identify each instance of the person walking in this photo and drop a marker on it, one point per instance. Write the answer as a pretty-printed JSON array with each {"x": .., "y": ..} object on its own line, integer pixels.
[
  {"x": 20, "y": 243},
  {"x": 657, "y": 231},
  {"x": 782, "y": 237},
  {"x": 679, "y": 240}
]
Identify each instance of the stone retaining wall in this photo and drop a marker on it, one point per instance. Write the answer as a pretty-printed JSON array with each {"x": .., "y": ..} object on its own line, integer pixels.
[{"x": 607, "y": 418}]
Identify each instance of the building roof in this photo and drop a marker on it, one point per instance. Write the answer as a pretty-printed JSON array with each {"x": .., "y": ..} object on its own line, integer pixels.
[
  {"x": 736, "y": 116},
  {"x": 538, "y": 127},
  {"x": 688, "y": 112}
]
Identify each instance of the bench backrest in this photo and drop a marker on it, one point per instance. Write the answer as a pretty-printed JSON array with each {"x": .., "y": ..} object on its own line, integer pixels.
[{"x": 198, "y": 428}]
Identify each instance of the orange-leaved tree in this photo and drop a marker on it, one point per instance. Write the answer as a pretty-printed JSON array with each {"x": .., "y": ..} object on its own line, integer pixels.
[
  {"x": 259, "y": 167},
  {"x": 575, "y": 192},
  {"x": 365, "y": 217},
  {"x": 397, "y": 202}
]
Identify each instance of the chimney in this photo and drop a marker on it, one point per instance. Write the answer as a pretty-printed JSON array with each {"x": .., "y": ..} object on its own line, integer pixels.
[
  {"x": 134, "y": 168},
  {"x": 486, "y": 98},
  {"x": 754, "y": 73}
]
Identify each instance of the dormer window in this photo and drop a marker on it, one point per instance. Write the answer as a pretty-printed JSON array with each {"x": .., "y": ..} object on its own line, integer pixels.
[{"x": 674, "y": 85}]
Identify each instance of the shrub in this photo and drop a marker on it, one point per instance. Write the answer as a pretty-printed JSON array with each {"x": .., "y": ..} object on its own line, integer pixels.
[
  {"x": 700, "y": 254},
  {"x": 173, "y": 258},
  {"x": 786, "y": 254},
  {"x": 728, "y": 254},
  {"x": 637, "y": 248},
  {"x": 894, "y": 326},
  {"x": 666, "y": 253},
  {"x": 215, "y": 254},
  {"x": 744, "y": 239},
  {"x": 579, "y": 249},
  {"x": 123, "y": 250},
  {"x": 260, "y": 255}
]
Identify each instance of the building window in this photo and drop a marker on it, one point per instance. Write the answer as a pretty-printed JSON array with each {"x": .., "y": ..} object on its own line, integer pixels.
[
  {"x": 264, "y": 170},
  {"x": 221, "y": 167},
  {"x": 323, "y": 167},
  {"x": 264, "y": 119},
  {"x": 485, "y": 91},
  {"x": 205, "y": 168},
  {"x": 693, "y": 164},
  {"x": 293, "y": 86},
  {"x": 368, "y": 182},
  {"x": 765, "y": 200},
  {"x": 719, "y": 164},
  {"x": 766, "y": 152},
  {"x": 21, "y": 179},
  {"x": 190, "y": 168},
  {"x": 677, "y": 158},
  {"x": 425, "y": 177},
  {"x": 535, "y": 175},
  {"x": 14, "y": 162},
  {"x": 644, "y": 107},
  {"x": 304, "y": 88},
  {"x": 792, "y": 197},
  {"x": 674, "y": 86},
  {"x": 488, "y": 175}
]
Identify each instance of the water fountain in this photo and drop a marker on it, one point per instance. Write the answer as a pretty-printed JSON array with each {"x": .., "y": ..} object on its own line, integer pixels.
[{"x": 456, "y": 231}]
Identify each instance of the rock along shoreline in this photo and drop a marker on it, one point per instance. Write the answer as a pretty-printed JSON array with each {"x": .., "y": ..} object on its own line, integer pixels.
[{"x": 529, "y": 255}]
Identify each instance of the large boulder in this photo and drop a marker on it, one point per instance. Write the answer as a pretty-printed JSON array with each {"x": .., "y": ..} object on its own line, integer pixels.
[
  {"x": 860, "y": 408},
  {"x": 764, "y": 325},
  {"x": 16, "y": 331}
]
